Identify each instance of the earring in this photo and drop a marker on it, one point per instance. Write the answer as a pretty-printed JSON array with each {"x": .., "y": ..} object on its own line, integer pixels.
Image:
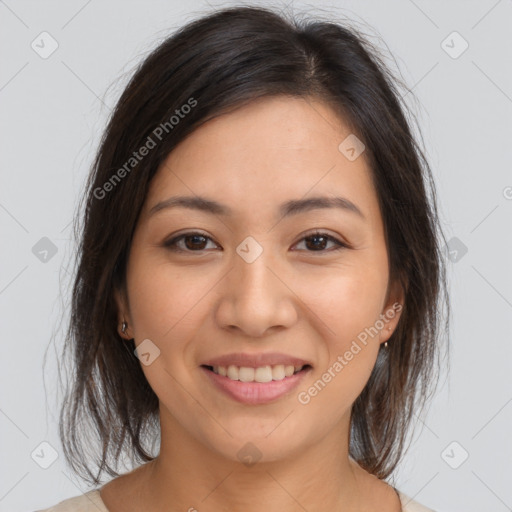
[
  {"x": 123, "y": 327},
  {"x": 386, "y": 343}
]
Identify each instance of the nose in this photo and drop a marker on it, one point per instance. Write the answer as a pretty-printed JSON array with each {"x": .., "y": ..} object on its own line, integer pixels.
[{"x": 256, "y": 298}]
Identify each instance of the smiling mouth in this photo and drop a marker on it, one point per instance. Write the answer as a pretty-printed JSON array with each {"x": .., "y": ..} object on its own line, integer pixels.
[{"x": 262, "y": 374}]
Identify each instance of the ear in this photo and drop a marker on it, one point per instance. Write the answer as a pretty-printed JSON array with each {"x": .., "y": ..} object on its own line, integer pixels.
[
  {"x": 392, "y": 309},
  {"x": 123, "y": 314}
]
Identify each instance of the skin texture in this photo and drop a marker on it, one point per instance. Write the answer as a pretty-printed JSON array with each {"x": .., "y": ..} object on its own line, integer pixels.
[{"x": 307, "y": 302}]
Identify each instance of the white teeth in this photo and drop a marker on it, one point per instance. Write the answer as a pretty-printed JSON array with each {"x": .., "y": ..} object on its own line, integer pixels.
[
  {"x": 263, "y": 374},
  {"x": 288, "y": 370},
  {"x": 278, "y": 372},
  {"x": 260, "y": 374},
  {"x": 246, "y": 374},
  {"x": 232, "y": 372}
]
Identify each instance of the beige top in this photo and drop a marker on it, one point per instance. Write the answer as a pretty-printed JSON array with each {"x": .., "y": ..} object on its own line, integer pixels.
[{"x": 91, "y": 502}]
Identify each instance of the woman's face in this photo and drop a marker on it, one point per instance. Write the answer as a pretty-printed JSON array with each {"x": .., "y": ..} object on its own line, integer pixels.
[{"x": 255, "y": 280}]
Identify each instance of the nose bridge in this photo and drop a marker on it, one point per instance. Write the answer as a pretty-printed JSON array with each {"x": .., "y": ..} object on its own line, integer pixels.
[{"x": 255, "y": 284}]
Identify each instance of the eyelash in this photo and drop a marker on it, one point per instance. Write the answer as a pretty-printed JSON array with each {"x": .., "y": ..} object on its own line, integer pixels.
[{"x": 172, "y": 243}]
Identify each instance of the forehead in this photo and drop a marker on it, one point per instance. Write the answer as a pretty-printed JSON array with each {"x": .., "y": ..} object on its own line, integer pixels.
[{"x": 263, "y": 154}]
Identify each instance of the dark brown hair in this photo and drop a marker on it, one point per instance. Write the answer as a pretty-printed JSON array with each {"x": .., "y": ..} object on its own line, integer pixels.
[{"x": 217, "y": 63}]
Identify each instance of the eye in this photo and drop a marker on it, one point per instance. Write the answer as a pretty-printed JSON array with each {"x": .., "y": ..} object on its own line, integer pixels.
[
  {"x": 319, "y": 240},
  {"x": 195, "y": 242}
]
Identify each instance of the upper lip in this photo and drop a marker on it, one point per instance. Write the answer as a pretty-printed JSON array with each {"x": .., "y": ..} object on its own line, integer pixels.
[{"x": 256, "y": 360}]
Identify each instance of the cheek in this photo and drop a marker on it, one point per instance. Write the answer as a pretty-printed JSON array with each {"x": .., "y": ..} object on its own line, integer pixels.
[
  {"x": 346, "y": 301},
  {"x": 164, "y": 307},
  {"x": 347, "y": 307},
  {"x": 163, "y": 298}
]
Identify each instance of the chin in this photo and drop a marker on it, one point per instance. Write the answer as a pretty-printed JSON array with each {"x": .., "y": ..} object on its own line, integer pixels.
[{"x": 257, "y": 444}]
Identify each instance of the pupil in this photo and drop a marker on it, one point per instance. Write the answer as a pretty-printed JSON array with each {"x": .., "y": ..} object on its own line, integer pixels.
[
  {"x": 317, "y": 237},
  {"x": 194, "y": 237}
]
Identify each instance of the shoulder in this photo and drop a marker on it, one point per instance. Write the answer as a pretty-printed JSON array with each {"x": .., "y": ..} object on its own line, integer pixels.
[
  {"x": 409, "y": 505},
  {"x": 87, "y": 502},
  {"x": 91, "y": 502}
]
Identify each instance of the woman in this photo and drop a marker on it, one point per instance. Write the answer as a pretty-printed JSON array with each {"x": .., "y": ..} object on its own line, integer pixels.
[{"x": 259, "y": 277}]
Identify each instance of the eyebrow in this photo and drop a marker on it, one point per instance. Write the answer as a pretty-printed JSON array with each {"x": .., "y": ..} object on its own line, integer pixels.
[{"x": 289, "y": 208}]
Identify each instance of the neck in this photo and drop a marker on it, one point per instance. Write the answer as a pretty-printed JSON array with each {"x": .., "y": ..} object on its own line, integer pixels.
[{"x": 188, "y": 475}]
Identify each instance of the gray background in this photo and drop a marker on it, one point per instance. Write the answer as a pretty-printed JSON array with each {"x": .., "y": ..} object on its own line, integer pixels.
[{"x": 53, "y": 113}]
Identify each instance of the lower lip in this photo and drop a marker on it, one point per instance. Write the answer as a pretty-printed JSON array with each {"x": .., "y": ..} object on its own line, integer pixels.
[{"x": 254, "y": 393}]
